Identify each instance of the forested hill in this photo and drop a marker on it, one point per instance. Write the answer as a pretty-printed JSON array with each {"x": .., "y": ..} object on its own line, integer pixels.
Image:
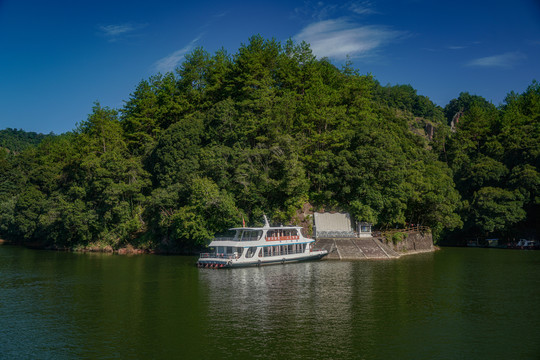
[
  {"x": 16, "y": 141},
  {"x": 272, "y": 129}
]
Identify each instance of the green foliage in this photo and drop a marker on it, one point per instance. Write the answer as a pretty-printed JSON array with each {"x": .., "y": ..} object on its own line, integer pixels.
[
  {"x": 175, "y": 158},
  {"x": 267, "y": 130},
  {"x": 190, "y": 222},
  {"x": 398, "y": 237},
  {"x": 496, "y": 209},
  {"x": 404, "y": 97},
  {"x": 363, "y": 211},
  {"x": 495, "y": 157},
  {"x": 464, "y": 103},
  {"x": 14, "y": 140}
]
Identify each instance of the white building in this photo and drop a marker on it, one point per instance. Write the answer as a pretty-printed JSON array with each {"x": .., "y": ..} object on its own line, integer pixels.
[
  {"x": 338, "y": 225},
  {"x": 363, "y": 229}
]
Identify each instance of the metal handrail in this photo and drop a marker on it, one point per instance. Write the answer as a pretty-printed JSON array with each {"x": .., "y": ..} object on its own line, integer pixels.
[
  {"x": 224, "y": 238},
  {"x": 235, "y": 239},
  {"x": 217, "y": 255},
  {"x": 415, "y": 228}
]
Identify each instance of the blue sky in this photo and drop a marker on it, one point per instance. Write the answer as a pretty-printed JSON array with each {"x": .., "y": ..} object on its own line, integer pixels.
[{"x": 58, "y": 57}]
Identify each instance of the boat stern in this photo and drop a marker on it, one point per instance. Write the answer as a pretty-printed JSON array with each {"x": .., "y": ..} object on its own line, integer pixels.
[
  {"x": 213, "y": 261},
  {"x": 212, "y": 264}
]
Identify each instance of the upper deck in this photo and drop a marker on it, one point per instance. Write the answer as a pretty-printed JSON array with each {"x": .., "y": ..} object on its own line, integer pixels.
[{"x": 283, "y": 233}]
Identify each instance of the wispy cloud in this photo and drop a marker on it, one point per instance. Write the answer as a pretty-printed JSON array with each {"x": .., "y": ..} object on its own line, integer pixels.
[
  {"x": 339, "y": 37},
  {"x": 116, "y": 32},
  {"x": 362, "y": 8},
  {"x": 173, "y": 60},
  {"x": 170, "y": 62},
  {"x": 322, "y": 10},
  {"x": 506, "y": 60},
  {"x": 221, "y": 14}
]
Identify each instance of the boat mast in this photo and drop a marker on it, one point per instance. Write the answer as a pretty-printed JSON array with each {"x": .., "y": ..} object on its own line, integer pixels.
[{"x": 266, "y": 224}]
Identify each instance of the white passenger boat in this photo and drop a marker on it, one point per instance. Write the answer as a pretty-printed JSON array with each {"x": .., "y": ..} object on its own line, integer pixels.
[{"x": 256, "y": 246}]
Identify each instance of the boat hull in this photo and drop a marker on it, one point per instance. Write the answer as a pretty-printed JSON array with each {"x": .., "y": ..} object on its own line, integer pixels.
[{"x": 217, "y": 263}]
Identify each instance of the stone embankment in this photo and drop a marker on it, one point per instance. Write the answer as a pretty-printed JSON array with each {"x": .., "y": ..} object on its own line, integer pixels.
[{"x": 375, "y": 247}]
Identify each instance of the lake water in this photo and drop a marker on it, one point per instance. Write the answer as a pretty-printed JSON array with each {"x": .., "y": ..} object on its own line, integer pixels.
[{"x": 457, "y": 303}]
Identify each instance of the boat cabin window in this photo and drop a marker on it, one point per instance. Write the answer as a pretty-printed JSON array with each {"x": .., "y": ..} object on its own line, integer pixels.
[
  {"x": 279, "y": 250},
  {"x": 251, "y": 251},
  {"x": 229, "y": 251},
  {"x": 282, "y": 234},
  {"x": 226, "y": 235},
  {"x": 250, "y": 235}
]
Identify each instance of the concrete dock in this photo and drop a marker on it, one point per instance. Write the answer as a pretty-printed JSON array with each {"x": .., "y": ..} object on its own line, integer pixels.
[{"x": 374, "y": 247}]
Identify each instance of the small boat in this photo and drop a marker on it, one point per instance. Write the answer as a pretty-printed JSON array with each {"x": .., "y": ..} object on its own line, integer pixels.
[
  {"x": 473, "y": 243},
  {"x": 256, "y": 246},
  {"x": 524, "y": 244}
]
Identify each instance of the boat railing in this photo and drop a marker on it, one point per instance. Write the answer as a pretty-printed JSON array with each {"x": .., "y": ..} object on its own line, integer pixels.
[
  {"x": 282, "y": 238},
  {"x": 217, "y": 255},
  {"x": 232, "y": 238},
  {"x": 225, "y": 238}
]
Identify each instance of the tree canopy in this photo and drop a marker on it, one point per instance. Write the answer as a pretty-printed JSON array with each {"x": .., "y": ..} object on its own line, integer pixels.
[
  {"x": 17, "y": 140},
  {"x": 494, "y": 155},
  {"x": 268, "y": 130}
]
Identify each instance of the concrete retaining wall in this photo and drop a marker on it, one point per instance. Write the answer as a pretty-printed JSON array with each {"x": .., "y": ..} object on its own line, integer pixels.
[
  {"x": 415, "y": 242},
  {"x": 374, "y": 248}
]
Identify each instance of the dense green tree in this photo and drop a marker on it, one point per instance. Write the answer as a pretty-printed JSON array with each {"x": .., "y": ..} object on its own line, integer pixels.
[
  {"x": 175, "y": 158},
  {"x": 17, "y": 140},
  {"x": 494, "y": 156},
  {"x": 463, "y": 104},
  {"x": 496, "y": 209},
  {"x": 188, "y": 222},
  {"x": 268, "y": 130}
]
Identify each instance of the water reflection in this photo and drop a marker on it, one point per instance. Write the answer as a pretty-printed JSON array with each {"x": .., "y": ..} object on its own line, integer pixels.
[
  {"x": 309, "y": 307},
  {"x": 419, "y": 307}
]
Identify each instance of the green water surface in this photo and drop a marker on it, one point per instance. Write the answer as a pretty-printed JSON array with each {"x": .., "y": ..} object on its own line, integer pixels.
[{"x": 457, "y": 303}]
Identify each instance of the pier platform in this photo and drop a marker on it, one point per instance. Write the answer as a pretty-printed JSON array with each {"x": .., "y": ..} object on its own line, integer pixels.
[{"x": 374, "y": 247}]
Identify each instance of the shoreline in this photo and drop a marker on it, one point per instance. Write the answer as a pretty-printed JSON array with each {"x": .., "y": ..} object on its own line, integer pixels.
[
  {"x": 125, "y": 250},
  {"x": 389, "y": 250}
]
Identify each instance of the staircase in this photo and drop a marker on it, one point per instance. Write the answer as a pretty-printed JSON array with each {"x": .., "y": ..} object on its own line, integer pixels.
[{"x": 355, "y": 248}]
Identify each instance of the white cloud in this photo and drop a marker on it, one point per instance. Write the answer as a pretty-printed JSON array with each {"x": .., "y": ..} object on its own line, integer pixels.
[
  {"x": 222, "y": 14},
  {"x": 339, "y": 38},
  {"x": 115, "y": 32},
  {"x": 506, "y": 60},
  {"x": 456, "y": 47},
  {"x": 362, "y": 8},
  {"x": 321, "y": 10},
  {"x": 170, "y": 62}
]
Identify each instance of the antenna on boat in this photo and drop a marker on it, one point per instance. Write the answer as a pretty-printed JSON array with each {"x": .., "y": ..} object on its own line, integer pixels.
[{"x": 266, "y": 224}]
